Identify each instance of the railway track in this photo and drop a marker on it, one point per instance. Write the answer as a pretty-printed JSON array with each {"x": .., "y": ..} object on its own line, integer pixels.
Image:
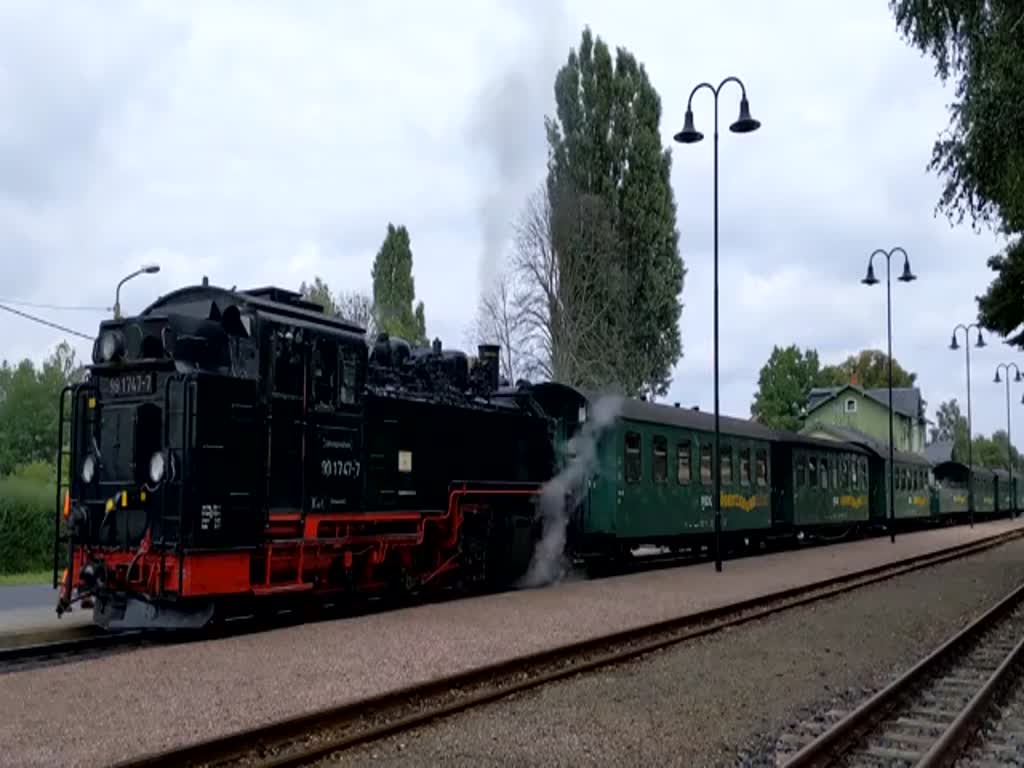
[
  {"x": 76, "y": 647},
  {"x": 309, "y": 738},
  {"x": 930, "y": 714}
]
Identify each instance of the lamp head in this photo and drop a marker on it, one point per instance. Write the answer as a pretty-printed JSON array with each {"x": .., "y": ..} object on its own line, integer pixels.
[
  {"x": 952, "y": 344},
  {"x": 745, "y": 123},
  {"x": 997, "y": 380},
  {"x": 907, "y": 275},
  {"x": 689, "y": 134},
  {"x": 1016, "y": 376},
  {"x": 869, "y": 278},
  {"x": 150, "y": 269},
  {"x": 980, "y": 342}
]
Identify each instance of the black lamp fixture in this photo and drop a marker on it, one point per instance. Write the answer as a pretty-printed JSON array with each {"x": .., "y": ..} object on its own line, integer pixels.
[
  {"x": 690, "y": 135},
  {"x": 980, "y": 343},
  {"x": 870, "y": 279}
]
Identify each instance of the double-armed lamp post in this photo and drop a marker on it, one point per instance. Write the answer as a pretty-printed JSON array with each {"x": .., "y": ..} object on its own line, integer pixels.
[
  {"x": 980, "y": 343},
  {"x": 690, "y": 135},
  {"x": 1009, "y": 443},
  {"x": 870, "y": 279}
]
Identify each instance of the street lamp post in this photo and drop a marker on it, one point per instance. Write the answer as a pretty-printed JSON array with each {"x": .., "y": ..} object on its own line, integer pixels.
[
  {"x": 980, "y": 343},
  {"x": 1009, "y": 443},
  {"x": 870, "y": 279},
  {"x": 690, "y": 135},
  {"x": 146, "y": 269}
]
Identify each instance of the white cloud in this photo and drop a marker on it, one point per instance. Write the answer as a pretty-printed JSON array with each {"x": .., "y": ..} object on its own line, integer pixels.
[{"x": 258, "y": 143}]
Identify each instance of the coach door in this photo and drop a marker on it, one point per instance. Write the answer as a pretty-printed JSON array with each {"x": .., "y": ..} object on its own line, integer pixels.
[{"x": 334, "y": 447}]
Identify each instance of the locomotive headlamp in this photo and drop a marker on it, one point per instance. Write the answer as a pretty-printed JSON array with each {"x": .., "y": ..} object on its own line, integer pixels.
[
  {"x": 111, "y": 345},
  {"x": 157, "y": 467},
  {"x": 88, "y": 468}
]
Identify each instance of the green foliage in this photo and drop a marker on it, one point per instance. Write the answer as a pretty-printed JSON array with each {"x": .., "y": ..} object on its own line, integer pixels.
[
  {"x": 951, "y": 424},
  {"x": 29, "y": 407},
  {"x": 871, "y": 368},
  {"x": 319, "y": 293},
  {"x": 784, "y": 384},
  {"x": 978, "y": 43},
  {"x": 394, "y": 290},
  {"x": 606, "y": 159},
  {"x": 27, "y": 499}
]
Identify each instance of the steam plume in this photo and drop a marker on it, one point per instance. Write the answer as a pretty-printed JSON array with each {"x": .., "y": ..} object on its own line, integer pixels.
[
  {"x": 507, "y": 122},
  {"x": 548, "y": 562}
]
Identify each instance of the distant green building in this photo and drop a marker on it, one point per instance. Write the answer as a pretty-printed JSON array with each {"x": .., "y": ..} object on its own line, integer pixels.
[{"x": 839, "y": 412}]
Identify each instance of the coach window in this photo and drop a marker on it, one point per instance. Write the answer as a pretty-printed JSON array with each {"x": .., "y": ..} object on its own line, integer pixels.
[
  {"x": 683, "y": 466},
  {"x": 835, "y": 473},
  {"x": 744, "y": 466},
  {"x": 705, "y": 463},
  {"x": 762, "y": 467},
  {"x": 801, "y": 470},
  {"x": 824, "y": 474},
  {"x": 634, "y": 464},
  {"x": 863, "y": 474},
  {"x": 812, "y": 472},
  {"x": 725, "y": 462},
  {"x": 659, "y": 467},
  {"x": 844, "y": 472}
]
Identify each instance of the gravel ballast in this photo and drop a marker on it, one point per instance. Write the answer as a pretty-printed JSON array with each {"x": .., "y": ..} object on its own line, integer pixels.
[
  {"x": 724, "y": 699},
  {"x": 109, "y": 709}
]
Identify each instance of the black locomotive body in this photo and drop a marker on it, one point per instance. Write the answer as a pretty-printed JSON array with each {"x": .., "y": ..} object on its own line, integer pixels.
[{"x": 231, "y": 448}]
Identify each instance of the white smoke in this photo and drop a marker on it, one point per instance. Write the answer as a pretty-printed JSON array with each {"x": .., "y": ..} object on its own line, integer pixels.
[{"x": 548, "y": 563}]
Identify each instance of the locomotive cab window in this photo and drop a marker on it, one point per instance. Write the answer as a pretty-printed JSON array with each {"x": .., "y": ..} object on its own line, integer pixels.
[
  {"x": 659, "y": 466},
  {"x": 325, "y": 373},
  {"x": 683, "y": 465},
  {"x": 634, "y": 465}
]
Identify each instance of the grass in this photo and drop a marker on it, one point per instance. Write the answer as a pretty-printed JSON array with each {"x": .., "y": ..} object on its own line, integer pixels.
[{"x": 30, "y": 577}]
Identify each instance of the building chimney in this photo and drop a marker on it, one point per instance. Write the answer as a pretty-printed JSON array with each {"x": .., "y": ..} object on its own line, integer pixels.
[{"x": 854, "y": 381}]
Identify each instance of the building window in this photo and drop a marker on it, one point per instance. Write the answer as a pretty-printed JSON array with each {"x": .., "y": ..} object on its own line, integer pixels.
[
  {"x": 851, "y": 405},
  {"x": 633, "y": 460},
  {"x": 683, "y": 466},
  {"x": 659, "y": 467}
]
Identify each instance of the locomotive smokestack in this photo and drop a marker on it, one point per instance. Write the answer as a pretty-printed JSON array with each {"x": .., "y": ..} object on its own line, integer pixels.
[{"x": 488, "y": 356}]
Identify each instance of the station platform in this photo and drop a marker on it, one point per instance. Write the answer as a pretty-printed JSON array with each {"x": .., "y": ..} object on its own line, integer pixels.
[
  {"x": 159, "y": 697},
  {"x": 28, "y": 613}
]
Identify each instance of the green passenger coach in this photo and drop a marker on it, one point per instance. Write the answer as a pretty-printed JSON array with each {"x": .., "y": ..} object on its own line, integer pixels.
[{"x": 655, "y": 484}]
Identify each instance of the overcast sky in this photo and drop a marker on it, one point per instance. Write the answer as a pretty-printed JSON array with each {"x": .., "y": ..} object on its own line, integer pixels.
[{"x": 263, "y": 142}]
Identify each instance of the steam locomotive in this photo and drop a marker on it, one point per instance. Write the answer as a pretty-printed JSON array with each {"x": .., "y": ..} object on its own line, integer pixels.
[{"x": 232, "y": 452}]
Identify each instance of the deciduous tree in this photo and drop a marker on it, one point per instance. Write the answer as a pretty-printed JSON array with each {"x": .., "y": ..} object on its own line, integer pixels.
[
  {"x": 978, "y": 44},
  {"x": 394, "y": 290},
  {"x": 784, "y": 383},
  {"x": 871, "y": 367},
  {"x": 606, "y": 160}
]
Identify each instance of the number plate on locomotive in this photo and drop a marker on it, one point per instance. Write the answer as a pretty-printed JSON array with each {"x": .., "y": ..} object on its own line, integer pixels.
[{"x": 131, "y": 384}]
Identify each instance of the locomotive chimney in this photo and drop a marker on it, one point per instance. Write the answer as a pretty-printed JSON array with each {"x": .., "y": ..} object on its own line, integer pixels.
[{"x": 488, "y": 357}]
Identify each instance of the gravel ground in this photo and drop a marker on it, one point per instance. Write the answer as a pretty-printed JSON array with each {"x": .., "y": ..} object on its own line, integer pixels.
[
  {"x": 721, "y": 700},
  {"x": 163, "y": 697}
]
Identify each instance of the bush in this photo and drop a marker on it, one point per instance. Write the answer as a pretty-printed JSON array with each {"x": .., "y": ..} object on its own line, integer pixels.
[{"x": 26, "y": 519}]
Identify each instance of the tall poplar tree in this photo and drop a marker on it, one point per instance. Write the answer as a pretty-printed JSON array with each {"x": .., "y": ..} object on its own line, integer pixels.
[
  {"x": 605, "y": 146},
  {"x": 394, "y": 290}
]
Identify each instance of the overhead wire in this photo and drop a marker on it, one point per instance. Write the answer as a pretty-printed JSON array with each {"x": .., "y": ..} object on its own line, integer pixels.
[
  {"x": 35, "y": 319},
  {"x": 62, "y": 307}
]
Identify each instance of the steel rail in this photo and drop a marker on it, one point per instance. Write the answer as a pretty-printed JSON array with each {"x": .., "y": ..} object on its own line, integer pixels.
[
  {"x": 19, "y": 657},
  {"x": 515, "y": 675},
  {"x": 832, "y": 745}
]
